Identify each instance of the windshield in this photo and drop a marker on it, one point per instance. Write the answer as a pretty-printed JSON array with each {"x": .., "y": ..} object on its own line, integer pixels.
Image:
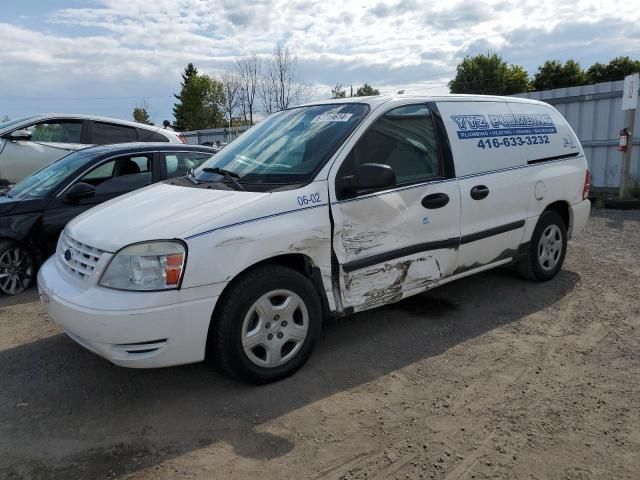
[
  {"x": 11, "y": 123},
  {"x": 43, "y": 182},
  {"x": 288, "y": 147}
]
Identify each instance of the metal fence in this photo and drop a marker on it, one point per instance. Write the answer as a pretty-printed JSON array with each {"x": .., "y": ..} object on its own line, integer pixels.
[
  {"x": 213, "y": 135},
  {"x": 594, "y": 112}
]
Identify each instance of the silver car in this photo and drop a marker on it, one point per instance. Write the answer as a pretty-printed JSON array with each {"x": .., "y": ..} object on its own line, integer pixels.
[{"x": 30, "y": 143}]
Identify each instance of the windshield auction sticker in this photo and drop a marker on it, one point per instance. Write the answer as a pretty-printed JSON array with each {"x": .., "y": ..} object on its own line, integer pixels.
[{"x": 332, "y": 117}]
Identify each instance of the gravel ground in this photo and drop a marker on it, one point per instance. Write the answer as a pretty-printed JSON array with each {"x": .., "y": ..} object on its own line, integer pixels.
[{"x": 489, "y": 377}]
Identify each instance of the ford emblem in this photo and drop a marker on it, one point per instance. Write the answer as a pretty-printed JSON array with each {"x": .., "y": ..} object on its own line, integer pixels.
[{"x": 68, "y": 255}]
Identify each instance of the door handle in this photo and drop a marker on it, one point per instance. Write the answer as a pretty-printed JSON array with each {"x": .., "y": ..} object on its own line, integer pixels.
[
  {"x": 435, "y": 200},
  {"x": 479, "y": 192}
]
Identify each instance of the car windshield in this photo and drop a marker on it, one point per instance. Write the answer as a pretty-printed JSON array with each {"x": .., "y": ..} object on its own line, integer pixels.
[
  {"x": 43, "y": 182},
  {"x": 11, "y": 123},
  {"x": 286, "y": 148}
]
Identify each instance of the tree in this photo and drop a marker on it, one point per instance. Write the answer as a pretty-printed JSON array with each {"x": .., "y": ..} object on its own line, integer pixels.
[
  {"x": 248, "y": 67},
  {"x": 231, "y": 86},
  {"x": 338, "y": 91},
  {"x": 282, "y": 85},
  {"x": 141, "y": 113},
  {"x": 190, "y": 99},
  {"x": 200, "y": 102},
  {"x": 366, "y": 91},
  {"x": 616, "y": 69},
  {"x": 488, "y": 74},
  {"x": 215, "y": 103},
  {"x": 553, "y": 74}
]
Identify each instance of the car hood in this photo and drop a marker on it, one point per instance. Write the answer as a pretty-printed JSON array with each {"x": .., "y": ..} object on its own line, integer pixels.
[
  {"x": 7, "y": 204},
  {"x": 160, "y": 211}
]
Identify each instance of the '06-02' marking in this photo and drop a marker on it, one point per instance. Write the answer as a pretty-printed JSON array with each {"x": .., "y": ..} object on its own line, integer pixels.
[{"x": 311, "y": 199}]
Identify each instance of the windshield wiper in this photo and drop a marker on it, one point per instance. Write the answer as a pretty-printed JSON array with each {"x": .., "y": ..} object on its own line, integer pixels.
[
  {"x": 229, "y": 175},
  {"x": 192, "y": 177}
]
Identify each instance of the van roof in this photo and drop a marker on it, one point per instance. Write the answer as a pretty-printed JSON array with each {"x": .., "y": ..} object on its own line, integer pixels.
[{"x": 377, "y": 100}]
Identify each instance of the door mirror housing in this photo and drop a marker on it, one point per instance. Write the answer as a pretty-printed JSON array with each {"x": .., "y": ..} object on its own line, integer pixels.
[
  {"x": 370, "y": 176},
  {"x": 79, "y": 191},
  {"x": 18, "y": 135}
]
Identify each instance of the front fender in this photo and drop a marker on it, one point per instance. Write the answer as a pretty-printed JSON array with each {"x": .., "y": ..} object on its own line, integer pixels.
[{"x": 219, "y": 255}]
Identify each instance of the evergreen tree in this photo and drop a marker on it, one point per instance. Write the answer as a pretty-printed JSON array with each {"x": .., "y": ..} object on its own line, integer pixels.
[
  {"x": 200, "y": 102},
  {"x": 183, "y": 110},
  {"x": 141, "y": 115}
]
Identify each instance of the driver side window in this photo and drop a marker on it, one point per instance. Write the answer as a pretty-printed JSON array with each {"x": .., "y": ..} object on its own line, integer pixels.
[{"x": 403, "y": 138}]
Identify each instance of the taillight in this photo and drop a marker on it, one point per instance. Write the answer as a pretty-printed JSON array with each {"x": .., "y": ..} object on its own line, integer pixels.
[
  {"x": 587, "y": 185},
  {"x": 182, "y": 138}
]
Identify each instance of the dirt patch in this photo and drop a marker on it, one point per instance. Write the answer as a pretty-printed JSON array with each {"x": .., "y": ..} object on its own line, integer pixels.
[{"x": 487, "y": 377}]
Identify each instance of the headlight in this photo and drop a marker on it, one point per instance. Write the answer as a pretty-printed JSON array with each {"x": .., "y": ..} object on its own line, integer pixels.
[{"x": 146, "y": 266}]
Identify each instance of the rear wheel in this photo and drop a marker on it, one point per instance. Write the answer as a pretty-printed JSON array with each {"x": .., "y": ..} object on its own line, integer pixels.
[
  {"x": 547, "y": 249},
  {"x": 266, "y": 326},
  {"x": 16, "y": 268}
]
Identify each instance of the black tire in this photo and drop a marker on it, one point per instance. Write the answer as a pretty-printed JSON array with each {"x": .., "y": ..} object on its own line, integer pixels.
[
  {"x": 534, "y": 266},
  {"x": 17, "y": 268},
  {"x": 225, "y": 339}
]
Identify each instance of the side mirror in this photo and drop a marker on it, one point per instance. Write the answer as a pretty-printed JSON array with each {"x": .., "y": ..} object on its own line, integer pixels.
[
  {"x": 370, "y": 176},
  {"x": 18, "y": 135},
  {"x": 79, "y": 191}
]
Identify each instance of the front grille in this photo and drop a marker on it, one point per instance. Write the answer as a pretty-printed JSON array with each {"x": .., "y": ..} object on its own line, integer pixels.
[{"x": 78, "y": 259}]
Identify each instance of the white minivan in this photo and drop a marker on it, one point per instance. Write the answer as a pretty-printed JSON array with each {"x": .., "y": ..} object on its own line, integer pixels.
[{"x": 319, "y": 210}]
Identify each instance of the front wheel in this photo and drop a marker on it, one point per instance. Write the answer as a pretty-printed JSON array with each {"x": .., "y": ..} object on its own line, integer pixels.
[
  {"x": 17, "y": 268},
  {"x": 547, "y": 249},
  {"x": 266, "y": 326}
]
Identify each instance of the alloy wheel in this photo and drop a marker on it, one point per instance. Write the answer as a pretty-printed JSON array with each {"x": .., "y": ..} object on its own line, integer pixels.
[{"x": 16, "y": 270}]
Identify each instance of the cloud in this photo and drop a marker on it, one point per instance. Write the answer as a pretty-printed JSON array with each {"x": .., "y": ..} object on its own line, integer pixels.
[{"x": 134, "y": 48}]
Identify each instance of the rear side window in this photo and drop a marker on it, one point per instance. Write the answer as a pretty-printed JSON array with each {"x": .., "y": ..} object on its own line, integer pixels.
[
  {"x": 179, "y": 164},
  {"x": 57, "y": 131},
  {"x": 150, "y": 136},
  {"x": 108, "y": 133},
  {"x": 403, "y": 138}
]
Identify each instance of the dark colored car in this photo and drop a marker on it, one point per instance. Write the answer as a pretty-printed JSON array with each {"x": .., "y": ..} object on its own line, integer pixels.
[{"x": 34, "y": 212}]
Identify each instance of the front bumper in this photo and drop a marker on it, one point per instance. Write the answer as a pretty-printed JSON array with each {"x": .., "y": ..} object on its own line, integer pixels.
[{"x": 130, "y": 329}]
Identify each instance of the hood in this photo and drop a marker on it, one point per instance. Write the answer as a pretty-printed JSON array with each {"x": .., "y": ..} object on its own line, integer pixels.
[
  {"x": 7, "y": 204},
  {"x": 160, "y": 211}
]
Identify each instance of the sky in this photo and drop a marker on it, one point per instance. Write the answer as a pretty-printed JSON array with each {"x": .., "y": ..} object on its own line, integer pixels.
[{"x": 104, "y": 57}]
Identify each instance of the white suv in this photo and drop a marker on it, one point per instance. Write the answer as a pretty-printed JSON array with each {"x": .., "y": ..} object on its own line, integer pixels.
[{"x": 30, "y": 143}]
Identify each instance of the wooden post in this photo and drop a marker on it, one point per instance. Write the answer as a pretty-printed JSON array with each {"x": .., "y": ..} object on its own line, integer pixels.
[{"x": 625, "y": 174}]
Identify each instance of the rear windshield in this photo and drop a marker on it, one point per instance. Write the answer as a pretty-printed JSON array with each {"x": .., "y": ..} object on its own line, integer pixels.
[{"x": 288, "y": 147}]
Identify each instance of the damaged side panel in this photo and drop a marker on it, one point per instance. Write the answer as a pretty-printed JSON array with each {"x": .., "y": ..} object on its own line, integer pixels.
[
  {"x": 376, "y": 231},
  {"x": 390, "y": 282}
]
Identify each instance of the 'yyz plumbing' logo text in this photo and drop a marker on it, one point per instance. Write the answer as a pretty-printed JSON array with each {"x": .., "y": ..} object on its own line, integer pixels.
[{"x": 501, "y": 125}]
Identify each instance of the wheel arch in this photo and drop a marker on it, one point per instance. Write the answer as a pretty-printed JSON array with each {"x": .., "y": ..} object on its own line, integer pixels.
[
  {"x": 562, "y": 208},
  {"x": 298, "y": 262}
]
